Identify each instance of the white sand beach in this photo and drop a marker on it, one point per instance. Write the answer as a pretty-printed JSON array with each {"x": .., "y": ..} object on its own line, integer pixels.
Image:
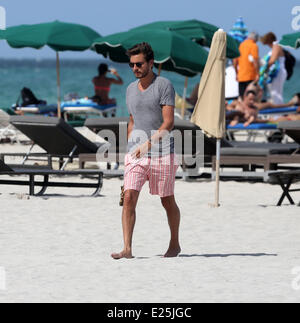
[{"x": 57, "y": 248}]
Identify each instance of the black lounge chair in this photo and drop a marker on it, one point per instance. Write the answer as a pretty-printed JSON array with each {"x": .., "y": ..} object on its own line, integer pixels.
[
  {"x": 271, "y": 157},
  {"x": 234, "y": 153},
  {"x": 291, "y": 128},
  {"x": 285, "y": 180},
  {"x": 113, "y": 124},
  {"x": 186, "y": 151},
  {"x": 55, "y": 136},
  {"x": 46, "y": 173}
]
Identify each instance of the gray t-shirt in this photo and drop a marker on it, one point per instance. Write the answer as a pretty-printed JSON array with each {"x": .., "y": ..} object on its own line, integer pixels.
[{"x": 146, "y": 110}]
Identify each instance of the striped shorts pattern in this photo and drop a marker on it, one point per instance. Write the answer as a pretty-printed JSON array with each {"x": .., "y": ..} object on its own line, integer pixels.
[{"x": 159, "y": 171}]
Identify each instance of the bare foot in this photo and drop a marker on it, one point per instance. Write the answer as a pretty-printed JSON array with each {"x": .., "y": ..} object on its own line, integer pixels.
[
  {"x": 172, "y": 252},
  {"x": 122, "y": 255},
  {"x": 295, "y": 101},
  {"x": 233, "y": 123}
]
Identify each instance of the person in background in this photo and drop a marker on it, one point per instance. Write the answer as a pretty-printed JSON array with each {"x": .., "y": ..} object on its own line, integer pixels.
[
  {"x": 276, "y": 87},
  {"x": 247, "y": 65},
  {"x": 244, "y": 111},
  {"x": 102, "y": 85}
]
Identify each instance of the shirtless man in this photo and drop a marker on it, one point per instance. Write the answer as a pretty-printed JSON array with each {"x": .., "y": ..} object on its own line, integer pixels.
[
  {"x": 247, "y": 110},
  {"x": 244, "y": 111}
]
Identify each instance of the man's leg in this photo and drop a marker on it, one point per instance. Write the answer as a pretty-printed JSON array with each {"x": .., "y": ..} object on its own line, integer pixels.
[
  {"x": 173, "y": 214},
  {"x": 128, "y": 222}
]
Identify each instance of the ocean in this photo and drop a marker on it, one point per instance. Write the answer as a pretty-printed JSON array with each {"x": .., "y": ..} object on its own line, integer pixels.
[{"x": 76, "y": 77}]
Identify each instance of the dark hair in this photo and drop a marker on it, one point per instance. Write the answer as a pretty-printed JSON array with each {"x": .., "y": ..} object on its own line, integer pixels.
[
  {"x": 268, "y": 38},
  {"x": 250, "y": 92},
  {"x": 142, "y": 48},
  {"x": 102, "y": 69}
]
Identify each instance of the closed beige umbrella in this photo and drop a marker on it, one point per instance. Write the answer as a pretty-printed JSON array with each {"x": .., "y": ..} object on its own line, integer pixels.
[{"x": 209, "y": 113}]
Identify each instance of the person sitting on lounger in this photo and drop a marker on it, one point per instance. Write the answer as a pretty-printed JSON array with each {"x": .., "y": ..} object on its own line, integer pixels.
[
  {"x": 244, "y": 111},
  {"x": 260, "y": 104},
  {"x": 289, "y": 117},
  {"x": 102, "y": 85}
]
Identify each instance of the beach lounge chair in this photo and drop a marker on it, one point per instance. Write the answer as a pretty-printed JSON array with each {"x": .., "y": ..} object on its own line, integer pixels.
[
  {"x": 45, "y": 110},
  {"x": 267, "y": 113},
  {"x": 55, "y": 136},
  {"x": 253, "y": 130},
  {"x": 292, "y": 129},
  {"x": 248, "y": 156},
  {"x": 190, "y": 151},
  {"x": 32, "y": 173},
  {"x": 251, "y": 158},
  {"x": 286, "y": 180},
  {"x": 88, "y": 107}
]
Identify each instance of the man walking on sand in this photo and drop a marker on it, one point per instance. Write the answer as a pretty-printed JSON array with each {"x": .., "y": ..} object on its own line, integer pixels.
[{"x": 150, "y": 101}]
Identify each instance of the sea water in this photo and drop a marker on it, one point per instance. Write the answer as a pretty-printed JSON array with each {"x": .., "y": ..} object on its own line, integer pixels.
[{"x": 76, "y": 77}]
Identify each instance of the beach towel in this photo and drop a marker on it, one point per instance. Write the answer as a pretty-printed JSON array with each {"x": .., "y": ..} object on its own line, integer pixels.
[{"x": 267, "y": 77}]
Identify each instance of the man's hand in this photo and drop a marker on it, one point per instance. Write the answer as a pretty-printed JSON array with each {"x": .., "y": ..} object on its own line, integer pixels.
[{"x": 142, "y": 150}]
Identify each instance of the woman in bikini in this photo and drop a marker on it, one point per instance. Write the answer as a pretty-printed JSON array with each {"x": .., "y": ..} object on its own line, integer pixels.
[{"x": 102, "y": 85}]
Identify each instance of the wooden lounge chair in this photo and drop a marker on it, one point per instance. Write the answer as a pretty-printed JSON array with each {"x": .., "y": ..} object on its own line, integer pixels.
[
  {"x": 251, "y": 158},
  {"x": 46, "y": 173}
]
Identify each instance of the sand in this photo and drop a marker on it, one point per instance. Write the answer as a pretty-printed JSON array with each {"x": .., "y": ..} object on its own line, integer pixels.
[{"x": 57, "y": 248}]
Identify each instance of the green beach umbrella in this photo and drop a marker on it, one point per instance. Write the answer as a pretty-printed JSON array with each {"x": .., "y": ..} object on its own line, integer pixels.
[
  {"x": 198, "y": 31},
  {"x": 172, "y": 52},
  {"x": 291, "y": 40},
  {"x": 59, "y": 36}
]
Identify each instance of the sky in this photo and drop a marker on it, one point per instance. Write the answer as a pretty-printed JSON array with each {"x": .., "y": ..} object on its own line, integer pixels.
[{"x": 111, "y": 16}]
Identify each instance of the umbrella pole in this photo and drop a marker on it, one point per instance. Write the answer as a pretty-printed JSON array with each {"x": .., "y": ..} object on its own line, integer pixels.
[
  {"x": 159, "y": 69},
  {"x": 218, "y": 159},
  {"x": 184, "y": 97},
  {"x": 58, "y": 86}
]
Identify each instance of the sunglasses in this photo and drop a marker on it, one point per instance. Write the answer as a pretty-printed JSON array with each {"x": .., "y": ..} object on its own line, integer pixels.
[{"x": 138, "y": 65}]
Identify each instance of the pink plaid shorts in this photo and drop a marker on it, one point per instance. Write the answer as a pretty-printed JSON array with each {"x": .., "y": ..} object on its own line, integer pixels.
[{"x": 159, "y": 171}]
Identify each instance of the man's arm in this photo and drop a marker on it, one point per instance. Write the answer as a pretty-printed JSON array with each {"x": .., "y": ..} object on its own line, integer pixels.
[
  {"x": 255, "y": 54},
  {"x": 167, "y": 126},
  {"x": 275, "y": 55},
  {"x": 119, "y": 80},
  {"x": 130, "y": 127},
  {"x": 236, "y": 67}
]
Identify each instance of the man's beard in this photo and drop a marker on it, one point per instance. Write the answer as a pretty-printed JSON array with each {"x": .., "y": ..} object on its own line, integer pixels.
[{"x": 142, "y": 75}]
